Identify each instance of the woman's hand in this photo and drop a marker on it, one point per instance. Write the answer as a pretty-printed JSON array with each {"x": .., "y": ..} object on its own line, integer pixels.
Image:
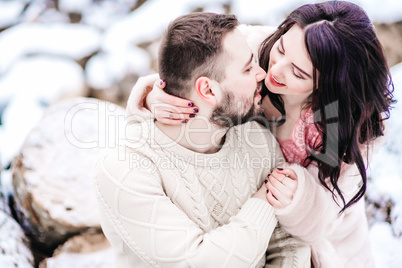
[
  {"x": 281, "y": 187},
  {"x": 169, "y": 109}
]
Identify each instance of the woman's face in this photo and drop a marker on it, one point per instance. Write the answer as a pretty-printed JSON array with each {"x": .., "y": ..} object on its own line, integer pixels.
[{"x": 290, "y": 70}]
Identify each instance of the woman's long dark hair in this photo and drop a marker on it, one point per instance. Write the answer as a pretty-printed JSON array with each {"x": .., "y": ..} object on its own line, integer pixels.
[{"x": 354, "y": 86}]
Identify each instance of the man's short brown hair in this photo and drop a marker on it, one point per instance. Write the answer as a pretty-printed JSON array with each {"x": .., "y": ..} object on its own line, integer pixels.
[{"x": 192, "y": 46}]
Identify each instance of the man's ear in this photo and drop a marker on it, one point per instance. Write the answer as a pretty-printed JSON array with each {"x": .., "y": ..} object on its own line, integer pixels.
[{"x": 206, "y": 90}]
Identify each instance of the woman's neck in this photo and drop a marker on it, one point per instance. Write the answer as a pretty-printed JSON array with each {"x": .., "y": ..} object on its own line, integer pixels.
[{"x": 294, "y": 105}]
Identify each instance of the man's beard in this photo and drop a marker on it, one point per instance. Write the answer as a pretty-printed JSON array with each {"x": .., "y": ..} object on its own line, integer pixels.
[{"x": 230, "y": 111}]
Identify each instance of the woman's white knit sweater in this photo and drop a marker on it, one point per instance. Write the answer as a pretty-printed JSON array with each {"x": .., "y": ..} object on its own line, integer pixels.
[{"x": 162, "y": 205}]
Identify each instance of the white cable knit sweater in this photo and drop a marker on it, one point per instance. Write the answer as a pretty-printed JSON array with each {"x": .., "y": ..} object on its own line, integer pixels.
[{"x": 162, "y": 205}]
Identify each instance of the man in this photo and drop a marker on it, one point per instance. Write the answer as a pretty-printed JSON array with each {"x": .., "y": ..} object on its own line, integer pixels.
[{"x": 186, "y": 195}]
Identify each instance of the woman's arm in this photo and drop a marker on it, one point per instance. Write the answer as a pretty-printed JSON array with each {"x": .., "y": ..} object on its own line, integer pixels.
[
  {"x": 313, "y": 213},
  {"x": 147, "y": 100},
  {"x": 135, "y": 109}
]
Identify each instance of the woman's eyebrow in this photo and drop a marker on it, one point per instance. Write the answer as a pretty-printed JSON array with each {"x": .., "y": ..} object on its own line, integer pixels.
[{"x": 294, "y": 65}]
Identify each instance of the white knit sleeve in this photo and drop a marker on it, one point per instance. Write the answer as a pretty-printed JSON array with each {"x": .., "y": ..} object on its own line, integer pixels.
[
  {"x": 135, "y": 110},
  {"x": 161, "y": 234},
  {"x": 313, "y": 213}
]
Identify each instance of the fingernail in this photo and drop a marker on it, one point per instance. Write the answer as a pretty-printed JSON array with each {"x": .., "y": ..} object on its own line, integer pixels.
[
  {"x": 267, "y": 191},
  {"x": 190, "y": 104},
  {"x": 195, "y": 110},
  {"x": 192, "y": 115},
  {"x": 265, "y": 181},
  {"x": 279, "y": 168},
  {"x": 184, "y": 121},
  {"x": 161, "y": 82}
]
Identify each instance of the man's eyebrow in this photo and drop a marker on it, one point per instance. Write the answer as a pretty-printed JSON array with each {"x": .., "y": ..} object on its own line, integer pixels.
[
  {"x": 249, "y": 61},
  {"x": 294, "y": 65}
]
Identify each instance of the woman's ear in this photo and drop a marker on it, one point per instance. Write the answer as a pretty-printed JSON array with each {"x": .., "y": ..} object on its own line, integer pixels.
[{"x": 206, "y": 90}]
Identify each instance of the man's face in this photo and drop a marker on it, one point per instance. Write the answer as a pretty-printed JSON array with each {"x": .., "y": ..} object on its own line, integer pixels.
[{"x": 241, "y": 86}]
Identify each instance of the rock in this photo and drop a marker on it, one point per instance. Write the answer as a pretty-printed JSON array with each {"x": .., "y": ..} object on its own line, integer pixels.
[
  {"x": 5, "y": 190},
  {"x": 86, "y": 250},
  {"x": 14, "y": 245},
  {"x": 52, "y": 175}
]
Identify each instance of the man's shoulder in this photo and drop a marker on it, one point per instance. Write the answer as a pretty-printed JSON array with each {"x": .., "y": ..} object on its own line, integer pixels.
[
  {"x": 131, "y": 154},
  {"x": 125, "y": 168}
]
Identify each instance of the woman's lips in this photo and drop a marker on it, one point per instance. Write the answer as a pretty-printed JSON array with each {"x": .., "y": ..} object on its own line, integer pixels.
[{"x": 275, "y": 82}]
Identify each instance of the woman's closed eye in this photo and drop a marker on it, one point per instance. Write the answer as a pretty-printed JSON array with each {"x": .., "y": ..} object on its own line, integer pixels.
[{"x": 297, "y": 75}]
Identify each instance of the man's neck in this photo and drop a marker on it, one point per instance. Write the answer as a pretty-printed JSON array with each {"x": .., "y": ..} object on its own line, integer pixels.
[{"x": 198, "y": 135}]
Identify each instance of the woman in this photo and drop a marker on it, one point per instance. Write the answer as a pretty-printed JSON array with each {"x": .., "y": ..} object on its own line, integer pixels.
[{"x": 327, "y": 96}]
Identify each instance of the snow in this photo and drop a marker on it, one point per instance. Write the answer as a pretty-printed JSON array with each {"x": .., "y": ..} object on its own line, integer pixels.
[
  {"x": 69, "y": 40},
  {"x": 43, "y": 78},
  {"x": 74, "y": 5},
  {"x": 9, "y": 12},
  {"x": 13, "y": 244},
  {"x": 386, "y": 248},
  {"x": 28, "y": 87},
  {"x": 38, "y": 67},
  {"x": 105, "y": 69},
  {"x": 386, "y": 168},
  {"x": 102, "y": 259},
  {"x": 16, "y": 126},
  {"x": 273, "y": 12}
]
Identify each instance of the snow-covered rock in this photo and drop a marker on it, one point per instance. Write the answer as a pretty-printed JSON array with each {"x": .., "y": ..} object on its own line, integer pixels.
[
  {"x": 146, "y": 24},
  {"x": 46, "y": 79},
  {"x": 10, "y": 12},
  {"x": 52, "y": 176},
  {"x": 31, "y": 85},
  {"x": 105, "y": 69},
  {"x": 68, "y": 40},
  {"x": 14, "y": 246},
  {"x": 74, "y": 5},
  {"x": 86, "y": 250},
  {"x": 20, "y": 116}
]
